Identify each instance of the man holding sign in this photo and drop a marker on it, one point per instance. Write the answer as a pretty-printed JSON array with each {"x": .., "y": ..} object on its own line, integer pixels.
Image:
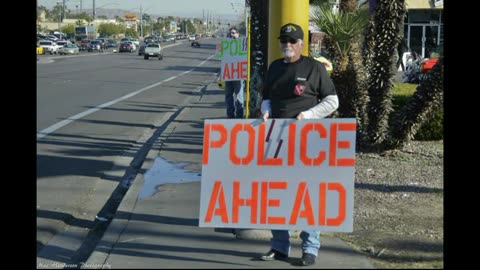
[
  {"x": 296, "y": 87},
  {"x": 233, "y": 95}
]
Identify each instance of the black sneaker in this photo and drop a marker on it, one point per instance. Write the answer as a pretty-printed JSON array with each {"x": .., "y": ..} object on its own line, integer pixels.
[
  {"x": 308, "y": 259},
  {"x": 273, "y": 255}
]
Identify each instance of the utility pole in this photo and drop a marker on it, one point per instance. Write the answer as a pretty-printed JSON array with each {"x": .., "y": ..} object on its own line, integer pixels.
[
  {"x": 60, "y": 20},
  {"x": 94, "y": 12},
  {"x": 141, "y": 21},
  {"x": 63, "y": 10}
]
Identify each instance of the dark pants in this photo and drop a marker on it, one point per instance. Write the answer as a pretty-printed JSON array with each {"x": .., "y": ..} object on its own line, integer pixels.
[{"x": 234, "y": 107}]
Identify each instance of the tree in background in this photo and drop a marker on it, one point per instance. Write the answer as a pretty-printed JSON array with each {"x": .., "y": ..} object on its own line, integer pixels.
[
  {"x": 158, "y": 27},
  {"x": 364, "y": 81},
  {"x": 343, "y": 29},
  {"x": 189, "y": 27},
  {"x": 68, "y": 29},
  {"x": 46, "y": 11},
  {"x": 110, "y": 29},
  {"x": 423, "y": 106},
  {"x": 130, "y": 32},
  {"x": 55, "y": 14}
]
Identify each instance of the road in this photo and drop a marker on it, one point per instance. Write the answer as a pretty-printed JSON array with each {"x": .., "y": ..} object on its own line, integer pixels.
[{"x": 96, "y": 116}]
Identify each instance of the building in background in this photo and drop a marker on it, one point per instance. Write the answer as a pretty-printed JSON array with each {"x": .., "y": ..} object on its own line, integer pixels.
[
  {"x": 423, "y": 28},
  {"x": 173, "y": 27}
]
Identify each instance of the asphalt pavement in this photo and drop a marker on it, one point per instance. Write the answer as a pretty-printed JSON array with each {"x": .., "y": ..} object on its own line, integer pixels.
[{"x": 156, "y": 224}]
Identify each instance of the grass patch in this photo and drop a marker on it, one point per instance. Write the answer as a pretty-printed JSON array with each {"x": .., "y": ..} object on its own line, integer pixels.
[
  {"x": 401, "y": 93},
  {"x": 431, "y": 130}
]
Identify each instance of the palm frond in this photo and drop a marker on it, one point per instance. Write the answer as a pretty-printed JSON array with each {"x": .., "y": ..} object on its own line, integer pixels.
[{"x": 341, "y": 27}]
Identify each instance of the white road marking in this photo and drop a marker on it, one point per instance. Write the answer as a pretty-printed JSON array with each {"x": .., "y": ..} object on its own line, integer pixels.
[{"x": 65, "y": 122}]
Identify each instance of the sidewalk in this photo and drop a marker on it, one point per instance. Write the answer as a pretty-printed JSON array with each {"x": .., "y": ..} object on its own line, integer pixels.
[{"x": 159, "y": 229}]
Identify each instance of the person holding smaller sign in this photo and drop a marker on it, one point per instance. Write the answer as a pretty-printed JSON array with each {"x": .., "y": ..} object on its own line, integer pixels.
[
  {"x": 296, "y": 87},
  {"x": 232, "y": 90}
]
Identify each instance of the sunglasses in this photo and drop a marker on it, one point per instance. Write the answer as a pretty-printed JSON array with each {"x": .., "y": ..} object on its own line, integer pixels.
[
  {"x": 233, "y": 32},
  {"x": 289, "y": 40}
]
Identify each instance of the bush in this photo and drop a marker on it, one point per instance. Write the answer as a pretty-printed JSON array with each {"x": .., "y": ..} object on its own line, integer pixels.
[{"x": 431, "y": 130}]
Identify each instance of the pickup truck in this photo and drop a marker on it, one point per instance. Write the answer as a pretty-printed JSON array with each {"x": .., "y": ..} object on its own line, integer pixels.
[
  {"x": 49, "y": 46},
  {"x": 153, "y": 50}
]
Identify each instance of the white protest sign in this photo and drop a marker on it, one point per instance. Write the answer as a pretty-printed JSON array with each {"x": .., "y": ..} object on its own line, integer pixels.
[
  {"x": 280, "y": 174},
  {"x": 233, "y": 53}
]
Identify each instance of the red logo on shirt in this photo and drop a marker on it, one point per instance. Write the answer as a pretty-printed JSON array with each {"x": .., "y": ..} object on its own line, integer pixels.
[{"x": 299, "y": 89}]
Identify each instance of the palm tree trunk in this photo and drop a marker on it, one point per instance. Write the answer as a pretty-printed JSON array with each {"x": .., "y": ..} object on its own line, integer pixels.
[
  {"x": 388, "y": 19},
  {"x": 348, "y": 5},
  {"x": 351, "y": 81},
  {"x": 258, "y": 53},
  {"x": 421, "y": 107},
  {"x": 360, "y": 98}
]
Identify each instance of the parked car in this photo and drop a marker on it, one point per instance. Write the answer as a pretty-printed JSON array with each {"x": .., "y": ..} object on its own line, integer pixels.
[
  {"x": 62, "y": 43},
  {"x": 51, "y": 37},
  {"x": 111, "y": 43},
  {"x": 48, "y": 46},
  {"x": 148, "y": 40},
  {"x": 323, "y": 59},
  {"x": 69, "y": 49},
  {"x": 103, "y": 43},
  {"x": 135, "y": 41},
  {"x": 126, "y": 46},
  {"x": 95, "y": 45},
  {"x": 84, "y": 44},
  {"x": 141, "y": 49},
  {"x": 169, "y": 38}
]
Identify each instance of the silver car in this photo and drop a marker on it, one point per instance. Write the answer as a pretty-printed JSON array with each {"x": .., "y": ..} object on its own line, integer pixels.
[{"x": 69, "y": 49}]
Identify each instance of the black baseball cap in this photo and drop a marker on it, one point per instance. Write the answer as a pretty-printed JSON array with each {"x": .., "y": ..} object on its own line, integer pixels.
[{"x": 291, "y": 30}]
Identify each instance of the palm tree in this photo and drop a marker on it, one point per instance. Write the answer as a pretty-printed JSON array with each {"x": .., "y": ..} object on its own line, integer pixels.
[
  {"x": 422, "y": 106},
  {"x": 343, "y": 30},
  {"x": 258, "y": 54},
  {"x": 383, "y": 41},
  {"x": 370, "y": 85}
]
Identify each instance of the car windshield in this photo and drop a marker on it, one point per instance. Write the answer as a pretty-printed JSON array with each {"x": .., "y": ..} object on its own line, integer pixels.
[{"x": 152, "y": 46}]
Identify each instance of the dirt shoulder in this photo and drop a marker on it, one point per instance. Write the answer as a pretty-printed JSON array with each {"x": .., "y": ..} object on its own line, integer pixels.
[{"x": 398, "y": 219}]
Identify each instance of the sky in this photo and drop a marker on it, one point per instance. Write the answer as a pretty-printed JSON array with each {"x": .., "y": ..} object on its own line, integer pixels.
[{"x": 190, "y": 8}]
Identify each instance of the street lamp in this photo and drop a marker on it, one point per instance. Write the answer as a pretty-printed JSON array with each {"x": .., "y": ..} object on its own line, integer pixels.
[
  {"x": 60, "y": 17},
  {"x": 141, "y": 19},
  {"x": 94, "y": 8}
]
